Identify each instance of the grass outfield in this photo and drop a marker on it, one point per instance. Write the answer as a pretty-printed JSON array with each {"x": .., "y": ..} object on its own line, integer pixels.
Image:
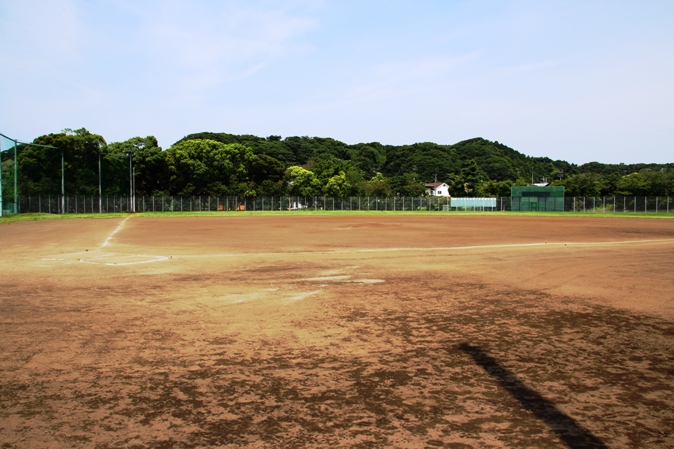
[{"x": 37, "y": 217}]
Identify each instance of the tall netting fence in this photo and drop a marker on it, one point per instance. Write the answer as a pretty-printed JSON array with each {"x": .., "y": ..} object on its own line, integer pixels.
[
  {"x": 8, "y": 172},
  {"x": 75, "y": 204},
  {"x": 622, "y": 204}
]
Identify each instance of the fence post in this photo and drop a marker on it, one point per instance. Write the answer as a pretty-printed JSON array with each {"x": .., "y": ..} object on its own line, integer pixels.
[
  {"x": 645, "y": 204},
  {"x": 635, "y": 204},
  {"x": 656, "y": 204}
]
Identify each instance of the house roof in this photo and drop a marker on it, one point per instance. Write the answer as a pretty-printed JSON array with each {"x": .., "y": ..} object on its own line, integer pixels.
[{"x": 434, "y": 184}]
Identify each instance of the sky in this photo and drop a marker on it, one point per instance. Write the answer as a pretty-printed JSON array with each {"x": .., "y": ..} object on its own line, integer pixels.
[{"x": 580, "y": 81}]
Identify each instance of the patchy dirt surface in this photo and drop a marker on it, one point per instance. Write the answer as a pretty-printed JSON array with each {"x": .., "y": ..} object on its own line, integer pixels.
[{"x": 355, "y": 331}]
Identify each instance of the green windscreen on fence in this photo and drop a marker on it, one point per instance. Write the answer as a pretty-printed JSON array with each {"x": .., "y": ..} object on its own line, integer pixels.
[{"x": 537, "y": 198}]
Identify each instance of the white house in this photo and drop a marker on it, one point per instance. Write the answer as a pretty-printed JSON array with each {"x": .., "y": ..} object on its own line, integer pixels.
[{"x": 437, "y": 189}]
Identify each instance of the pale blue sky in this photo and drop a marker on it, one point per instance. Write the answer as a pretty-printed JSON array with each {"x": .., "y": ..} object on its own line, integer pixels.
[{"x": 574, "y": 80}]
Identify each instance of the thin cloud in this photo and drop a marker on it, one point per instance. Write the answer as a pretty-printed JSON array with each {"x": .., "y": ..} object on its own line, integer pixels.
[
  {"x": 533, "y": 67},
  {"x": 405, "y": 78},
  {"x": 231, "y": 39},
  {"x": 39, "y": 35}
]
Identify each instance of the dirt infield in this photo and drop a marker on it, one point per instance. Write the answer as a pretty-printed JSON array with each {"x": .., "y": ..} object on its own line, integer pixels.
[{"x": 343, "y": 331}]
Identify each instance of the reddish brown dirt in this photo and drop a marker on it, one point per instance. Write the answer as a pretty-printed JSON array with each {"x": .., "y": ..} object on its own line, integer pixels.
[{"x": 369, "y": 331}]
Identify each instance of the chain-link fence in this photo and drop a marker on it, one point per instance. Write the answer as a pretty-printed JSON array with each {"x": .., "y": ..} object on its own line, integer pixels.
[
  {"x": 57, "y": 204},
  {"x": 653, "y": 204}
]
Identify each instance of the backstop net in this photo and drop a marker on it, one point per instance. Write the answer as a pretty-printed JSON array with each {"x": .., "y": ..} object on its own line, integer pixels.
[{"x": 8, "y": 176}]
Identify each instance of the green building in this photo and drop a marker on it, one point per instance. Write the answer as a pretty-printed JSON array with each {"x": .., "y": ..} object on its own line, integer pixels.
[{"x": 535, "y": 198}]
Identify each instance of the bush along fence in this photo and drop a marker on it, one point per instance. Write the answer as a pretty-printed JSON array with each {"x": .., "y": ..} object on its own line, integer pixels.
[{"x": 57, "y": 204}]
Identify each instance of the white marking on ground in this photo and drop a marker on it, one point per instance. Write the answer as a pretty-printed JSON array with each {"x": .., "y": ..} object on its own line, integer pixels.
[
  {"x": 150, "y": 259},
  {"x": 96, "y": 258},
  {"x": 343, "y": 279},
  {"x": 304, "y": 295},
  {"x": 445, "y": 248},
  {"x": 114, "y": 232},
  {"x": 328, "y": 278}
]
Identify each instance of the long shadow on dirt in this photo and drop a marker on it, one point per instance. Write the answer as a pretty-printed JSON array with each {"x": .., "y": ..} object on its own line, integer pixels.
[{"x": 572, "y": 433}]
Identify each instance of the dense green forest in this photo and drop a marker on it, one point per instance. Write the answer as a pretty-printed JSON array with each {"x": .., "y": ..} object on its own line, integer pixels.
[{"x": 227, "y": 164}]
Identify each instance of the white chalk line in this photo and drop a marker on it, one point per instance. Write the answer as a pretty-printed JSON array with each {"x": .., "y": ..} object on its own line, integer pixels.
[
  {"x": 114, "y": 232},
  {"x": 152, "y": 259},
  {"x": 149, "y": 259},
  {"x": 342, "y": 279},
  {"x": 436, "y": 249}
]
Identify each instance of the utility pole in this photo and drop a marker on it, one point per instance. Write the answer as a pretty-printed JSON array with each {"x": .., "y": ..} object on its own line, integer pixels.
[
  {"x": 130, "y": 182},
  {"x": 63, "y": 184},
  {"x": 134, "y": 189},
  {"x": 16, "y": 173},
  {"x": 132, "y": 205},
  {"x": 100, "y": 193}
]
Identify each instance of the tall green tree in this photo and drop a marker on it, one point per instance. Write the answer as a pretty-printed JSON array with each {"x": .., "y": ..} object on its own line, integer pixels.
[
  {"x": 338, "y": 186},
  {"x": 302, "y": 182},
  {"x": 647, "y": 183},
  {"x": 40, "y": 168},
  {"x": 149, "y": 161},
  {"x": 586, "y": 184},
  {"x": 496, "y": 188},
  {"x": 377, "y": 186},
  {"x": 207, "y": 167},
  {"x": 472, "y": 178}
]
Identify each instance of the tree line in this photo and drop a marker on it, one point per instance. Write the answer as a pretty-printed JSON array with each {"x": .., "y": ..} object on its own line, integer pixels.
[{"x": 221, "y": 164}]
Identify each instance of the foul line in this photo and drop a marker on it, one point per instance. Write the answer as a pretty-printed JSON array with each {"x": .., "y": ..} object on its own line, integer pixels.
[
  {"x": 447, "y": 248},
  {"x": 114, "y": 232},
  {"x": 150, "y": 260},
  {"x": 506, "y": 245}
]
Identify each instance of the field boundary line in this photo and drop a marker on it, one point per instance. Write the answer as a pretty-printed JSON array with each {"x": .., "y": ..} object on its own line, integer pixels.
[
  {"x": 446, "y": 248},
  {"x": 510, "y": 245},
  {"x": 105, "y": 243}
]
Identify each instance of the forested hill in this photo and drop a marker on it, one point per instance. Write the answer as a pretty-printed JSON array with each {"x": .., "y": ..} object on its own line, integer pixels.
[
  {"x": 495, "y": 160},
  {"x": 228, "y": 164}
]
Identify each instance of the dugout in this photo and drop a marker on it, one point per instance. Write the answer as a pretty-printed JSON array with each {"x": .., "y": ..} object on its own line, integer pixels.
[{"x": 537, "y": 198}]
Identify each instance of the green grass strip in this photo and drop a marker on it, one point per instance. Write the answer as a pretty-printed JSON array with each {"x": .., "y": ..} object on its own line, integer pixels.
[
  {"x": 305, "y": 213},
  {"x": 40, "y": 217}
]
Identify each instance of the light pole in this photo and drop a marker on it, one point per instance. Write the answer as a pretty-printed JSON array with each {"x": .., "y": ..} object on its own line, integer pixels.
[
  {"x": 16, "y": 185},
  {"x": 100, "y": 192},
  {"x": 134, "y": 188},
  {"x": 63, "y": 183},
  {"x": 131, "y": 184}
]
